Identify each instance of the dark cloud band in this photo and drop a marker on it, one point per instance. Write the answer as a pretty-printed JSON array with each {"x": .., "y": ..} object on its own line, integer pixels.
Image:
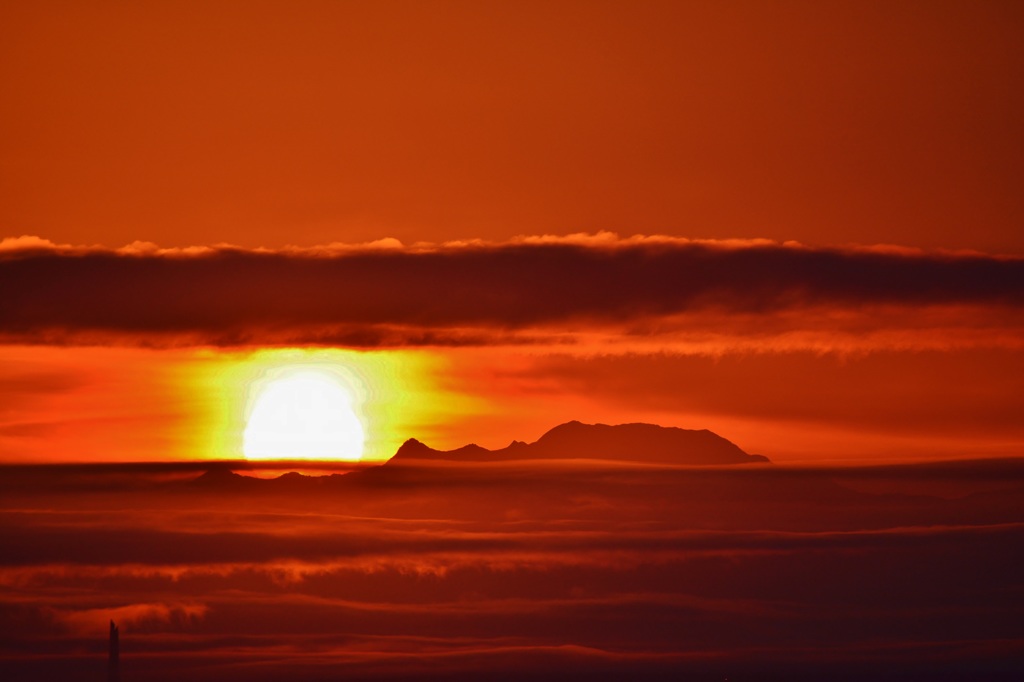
[{"x": 447, "y": 295}]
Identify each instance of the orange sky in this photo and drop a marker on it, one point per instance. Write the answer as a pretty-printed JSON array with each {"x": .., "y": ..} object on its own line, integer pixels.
[{"x": 267, "y": 124}]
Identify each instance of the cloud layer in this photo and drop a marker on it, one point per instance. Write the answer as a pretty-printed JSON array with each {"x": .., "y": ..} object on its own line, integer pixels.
[
  {"x": 516, "y": 571},
  {"x": 531, "y": 290}
]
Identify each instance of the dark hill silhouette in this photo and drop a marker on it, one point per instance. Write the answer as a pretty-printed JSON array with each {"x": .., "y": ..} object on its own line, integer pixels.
[
  {"x": 626, "y": 442},
  {"x": 221, "y": 476}
]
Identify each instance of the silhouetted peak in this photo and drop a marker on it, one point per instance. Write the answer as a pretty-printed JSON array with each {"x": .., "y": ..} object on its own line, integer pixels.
[
  {"x": 569, "y": 426},
  {"x": 573, "y": 427},
  {"x": 626, "y": 442},
  {"x": 219, "y": 476},
  {"x": 471, "y": 449},
  {"x": 639, "y": 442},
  {"x": 414, "y": 448}
]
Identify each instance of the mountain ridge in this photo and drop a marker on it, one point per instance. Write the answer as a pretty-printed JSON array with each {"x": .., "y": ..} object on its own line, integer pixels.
[{"x": 634, "y": 442}]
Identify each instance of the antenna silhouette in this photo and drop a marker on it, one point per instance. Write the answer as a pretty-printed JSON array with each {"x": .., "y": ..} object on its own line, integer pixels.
[{"x": 114, "y": 655}]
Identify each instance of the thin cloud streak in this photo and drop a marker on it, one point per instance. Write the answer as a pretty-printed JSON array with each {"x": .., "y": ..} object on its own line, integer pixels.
[
  {"x": 540, "y": 290},
  {"x": 88, "y": 621},
  {"x": 364, "y": 547}
]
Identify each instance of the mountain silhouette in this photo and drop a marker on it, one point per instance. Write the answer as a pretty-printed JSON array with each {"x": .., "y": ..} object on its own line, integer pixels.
[{"x": 646, "y": 443}]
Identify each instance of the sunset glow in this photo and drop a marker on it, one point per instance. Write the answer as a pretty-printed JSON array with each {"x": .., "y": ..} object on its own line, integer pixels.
[
  {"x": 453, "y": 340},
  {"x": 302, "y": 415},
  {"x": 271, "y": 403}
]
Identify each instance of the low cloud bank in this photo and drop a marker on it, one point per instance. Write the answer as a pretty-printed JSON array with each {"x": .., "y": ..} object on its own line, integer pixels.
[{"x": 541, "y": 290}]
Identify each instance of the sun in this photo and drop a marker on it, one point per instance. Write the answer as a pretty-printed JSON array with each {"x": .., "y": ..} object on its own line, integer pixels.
[{"x": 303, "y": 414}]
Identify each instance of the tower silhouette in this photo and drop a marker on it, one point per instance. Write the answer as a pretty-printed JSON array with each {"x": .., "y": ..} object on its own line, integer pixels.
[{"x": 114, "y": 656}]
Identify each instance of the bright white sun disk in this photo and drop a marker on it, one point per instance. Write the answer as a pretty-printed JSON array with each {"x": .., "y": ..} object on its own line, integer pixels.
[{"x": 304, "y": 415}]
